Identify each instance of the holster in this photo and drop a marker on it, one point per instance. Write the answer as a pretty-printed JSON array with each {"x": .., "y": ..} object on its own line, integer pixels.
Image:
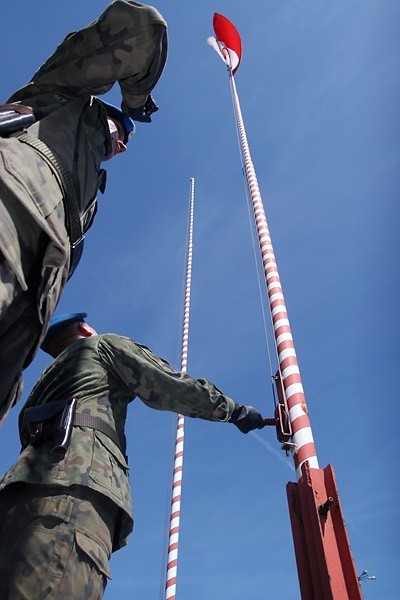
[
  {"x": 51, "y": 423},
  {"x": 15, "y": 117}
]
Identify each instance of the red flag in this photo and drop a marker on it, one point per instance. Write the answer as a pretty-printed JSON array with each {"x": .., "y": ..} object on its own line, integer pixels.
[{"x": 229, "y": 41}]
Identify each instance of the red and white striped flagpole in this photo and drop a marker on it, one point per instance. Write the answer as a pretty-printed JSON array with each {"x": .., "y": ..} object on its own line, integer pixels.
[
  {"x": 173, "y": 539},
  {"x": 302, "y": 438},
  {"x": 324, "y": 559},
  {"x": 229, "y": 46}
]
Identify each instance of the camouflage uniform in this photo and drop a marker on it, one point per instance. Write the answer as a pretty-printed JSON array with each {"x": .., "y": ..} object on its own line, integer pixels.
[
  {"x": 128, "y": 44},
  {"x": 58, "y": 544},
  {"x": 105, "y": 373}
]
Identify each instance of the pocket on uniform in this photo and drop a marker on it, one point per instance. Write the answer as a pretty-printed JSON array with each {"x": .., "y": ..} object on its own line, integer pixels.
[
  {"x": 94, "y": 551},
  {"x": 109, "y": 468},
  {"x": 28, "y": 171},
  {"x": 58, "y": 507},
  {"x": 53, "y": 279}
]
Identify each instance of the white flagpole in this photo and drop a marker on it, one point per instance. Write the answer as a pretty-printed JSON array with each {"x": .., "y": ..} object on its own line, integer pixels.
[{"x": 175, "y": 514}]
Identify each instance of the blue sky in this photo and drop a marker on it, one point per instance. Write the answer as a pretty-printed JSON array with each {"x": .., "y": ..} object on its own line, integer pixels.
[{"x": 320, "y": 91}]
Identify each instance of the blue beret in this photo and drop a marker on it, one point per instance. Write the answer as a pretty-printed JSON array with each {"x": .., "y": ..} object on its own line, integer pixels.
[
  {"x": 58, "y": 322},
  {"x": 115, "y": 113}
]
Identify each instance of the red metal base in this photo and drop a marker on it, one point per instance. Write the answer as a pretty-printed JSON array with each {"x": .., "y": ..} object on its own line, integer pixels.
[{"x": 324, "y": 560}]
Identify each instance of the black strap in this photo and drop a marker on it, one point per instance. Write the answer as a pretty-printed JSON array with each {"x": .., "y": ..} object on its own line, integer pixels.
[
  {"x": 57, "y": 165},
  {"x": 85, "y": 420}
]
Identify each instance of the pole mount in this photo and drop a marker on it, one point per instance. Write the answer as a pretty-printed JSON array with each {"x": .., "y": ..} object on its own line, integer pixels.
[{"x": 325, "y": 507}]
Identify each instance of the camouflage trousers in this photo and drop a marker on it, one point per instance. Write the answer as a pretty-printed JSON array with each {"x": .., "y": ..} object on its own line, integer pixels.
[
  {"x": 54, "y": 545},
  {"x": 26, "y": 300}
]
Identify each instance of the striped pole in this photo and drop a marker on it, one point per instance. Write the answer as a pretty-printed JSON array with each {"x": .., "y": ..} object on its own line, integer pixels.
[
  {"x": 324, "y": 559},
  {"x": 173, "y": 538},
  {"x": 304, "y": 449}
]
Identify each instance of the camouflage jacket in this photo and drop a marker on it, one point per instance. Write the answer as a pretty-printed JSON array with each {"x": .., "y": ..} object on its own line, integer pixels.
[
  {"x": 128, "y": 44},
  {"x": 105, "y": 373}
]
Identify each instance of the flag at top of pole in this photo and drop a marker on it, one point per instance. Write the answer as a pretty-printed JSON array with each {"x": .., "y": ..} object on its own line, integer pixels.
[{"x": 227, "y": 42}]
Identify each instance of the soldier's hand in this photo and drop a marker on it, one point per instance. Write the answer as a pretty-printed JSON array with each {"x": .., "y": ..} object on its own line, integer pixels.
[
  {"x": 246, "y": 418},
  {"x": 143, "y": 114}
]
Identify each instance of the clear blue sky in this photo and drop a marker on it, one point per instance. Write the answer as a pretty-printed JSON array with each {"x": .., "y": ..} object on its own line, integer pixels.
[{"x": 320, "y": 95}]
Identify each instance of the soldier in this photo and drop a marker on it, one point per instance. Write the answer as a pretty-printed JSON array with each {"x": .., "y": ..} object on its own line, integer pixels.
[
  {"x": 51, "y": 172},
  {"x": 66, "y": 503}
]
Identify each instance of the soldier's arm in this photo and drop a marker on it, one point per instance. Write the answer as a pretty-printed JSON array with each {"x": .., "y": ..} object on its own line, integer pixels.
[
  {"x": 127, "y": 43},
  {"x": 158, "y": 385}
]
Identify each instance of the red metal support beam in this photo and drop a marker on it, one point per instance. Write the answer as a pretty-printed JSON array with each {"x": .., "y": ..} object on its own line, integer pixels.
[{"x": 324, "y": 559}]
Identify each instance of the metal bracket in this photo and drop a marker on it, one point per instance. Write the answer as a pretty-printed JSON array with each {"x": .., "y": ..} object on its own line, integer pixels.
[
  {"x": 324, "y": 508},
  {"x": 289, "y": 448},
  {"x": 282, "y": 422}
]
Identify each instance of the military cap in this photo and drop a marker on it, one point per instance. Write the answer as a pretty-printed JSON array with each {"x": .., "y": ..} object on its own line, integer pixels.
[
  {"x": 115, "y": 113},
  {"x": 57, "y": 323}
]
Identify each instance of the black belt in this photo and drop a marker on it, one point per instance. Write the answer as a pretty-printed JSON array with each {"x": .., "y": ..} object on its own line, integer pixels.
[
  {"x": 52, "y": 422},
  {"x": 85, "y": 420}
]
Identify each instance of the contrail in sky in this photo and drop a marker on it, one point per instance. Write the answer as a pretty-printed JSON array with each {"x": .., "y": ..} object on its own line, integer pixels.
[{"x": 273, "y": 450}]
